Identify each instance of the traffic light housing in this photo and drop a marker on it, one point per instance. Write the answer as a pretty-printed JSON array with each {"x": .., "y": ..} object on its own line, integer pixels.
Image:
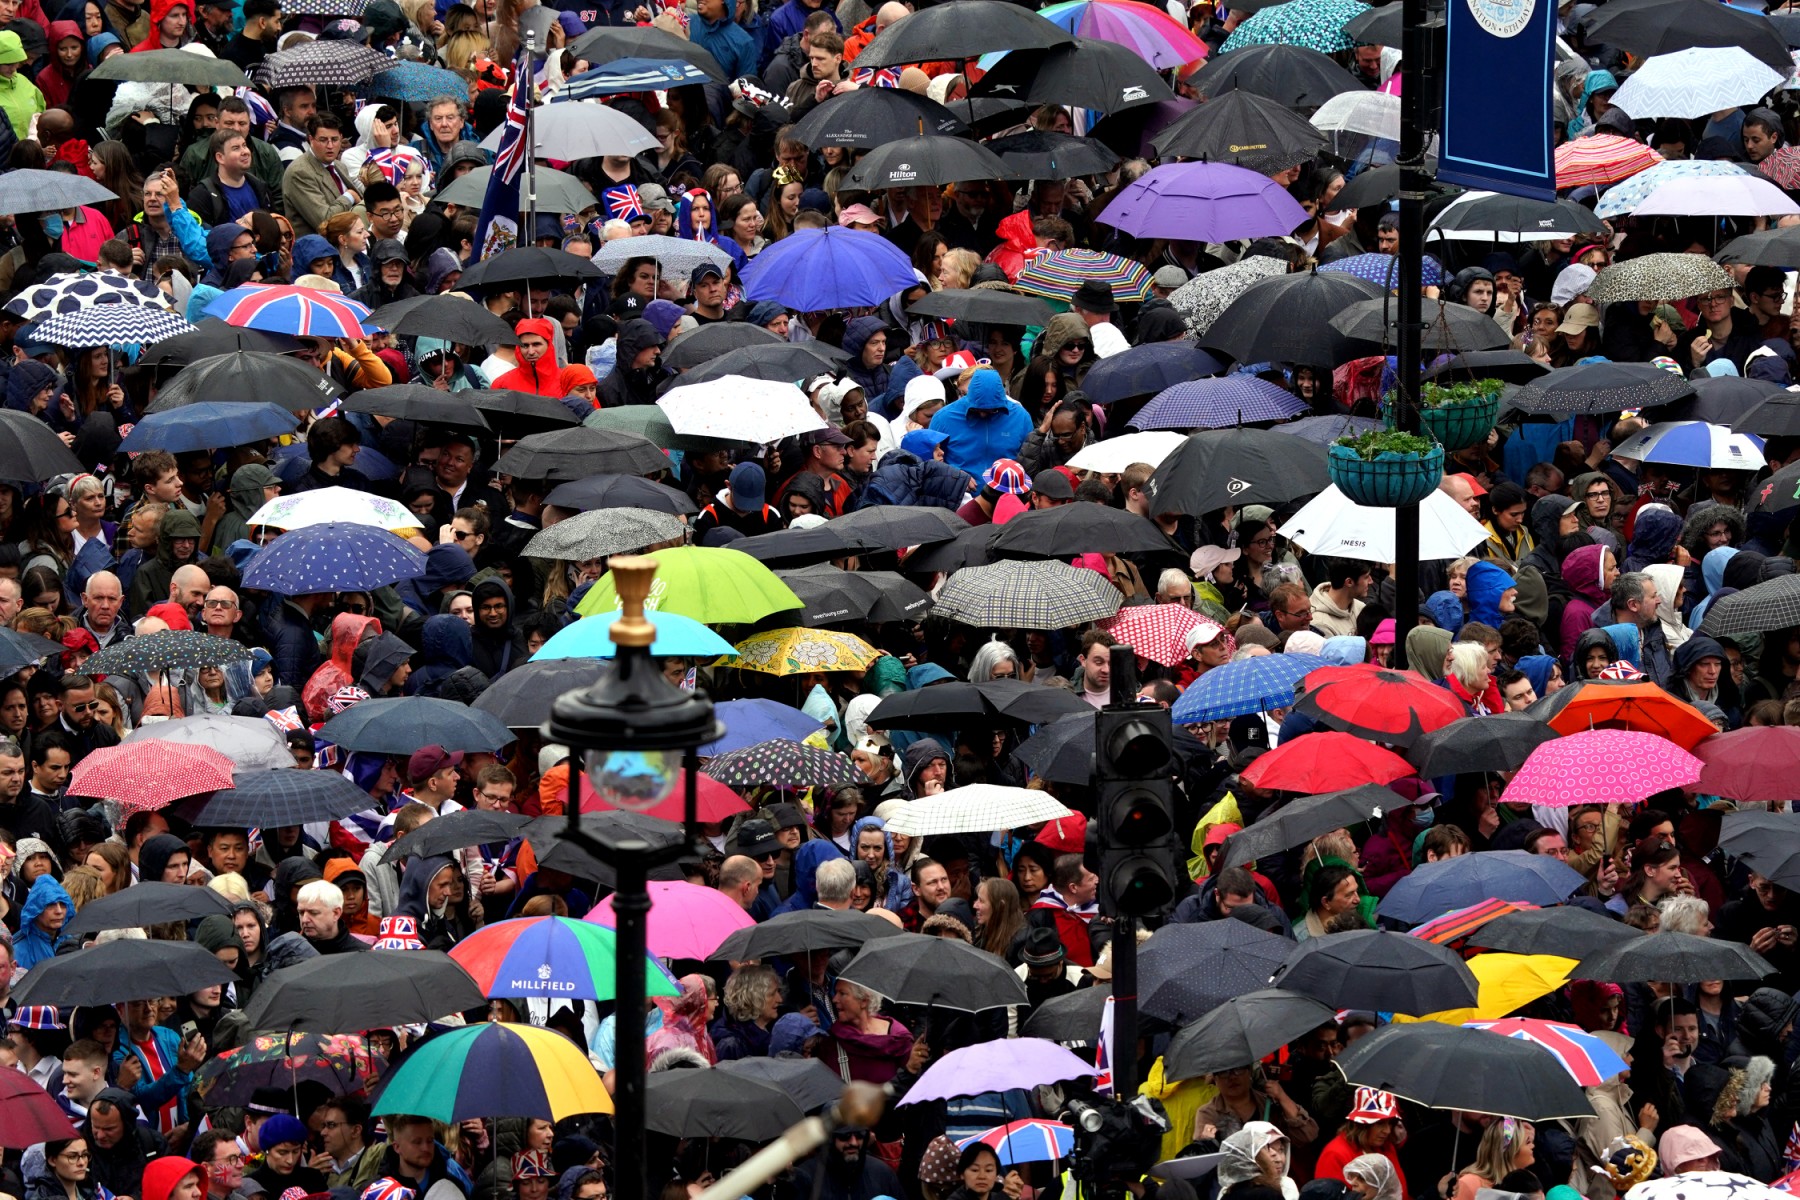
[{"x": 1134, "y": 763}]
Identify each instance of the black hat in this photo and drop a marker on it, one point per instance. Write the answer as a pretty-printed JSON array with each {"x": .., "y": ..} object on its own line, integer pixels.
[
  {"x": 756, "y": 838},
  {"x": 703, "y": 271},
  {"x": 1249, "y": 737},
  {"x": 1052, "y": 484},
  {"x": 960, "y": 911},
  {"x": 787, "y": 816},
  {"x": 1043, "y": 948},
  {"x": 1095, "y": 296}
]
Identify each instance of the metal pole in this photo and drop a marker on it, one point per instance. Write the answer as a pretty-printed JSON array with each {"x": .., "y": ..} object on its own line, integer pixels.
[
  {"x": 1124, "y": 684},
  {"x": 1421, "y": 80},
  {"x": 528, "y": 234},
  {"x": 631, "y": 910}
]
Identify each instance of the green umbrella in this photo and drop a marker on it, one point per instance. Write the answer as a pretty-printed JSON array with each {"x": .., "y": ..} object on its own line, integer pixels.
[
  {"x": 171, "y": 66},
  {"x": 650, "y": 423},
  {"x": 713, "y": 585},
  {"x": 1314, "y": 24}
]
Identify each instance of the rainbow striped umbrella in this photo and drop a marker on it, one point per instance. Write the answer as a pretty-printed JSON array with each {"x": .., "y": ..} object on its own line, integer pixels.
[
  {"x": 495, "y": 1070},
  {"x": 1033, "y": 1140},
  {"x": 1454, "y": 926},
  {"x": 286, "y": 308},
  {"x": 554, "y": 957},
  {"x": 1587, "y": 1059},
  {"x": 1152, "y": 34},
  {"x": 1056, "y": 276}
]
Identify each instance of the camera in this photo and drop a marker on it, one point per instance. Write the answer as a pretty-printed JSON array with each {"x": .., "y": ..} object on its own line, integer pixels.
[{"x": 1115, "y": 1140}]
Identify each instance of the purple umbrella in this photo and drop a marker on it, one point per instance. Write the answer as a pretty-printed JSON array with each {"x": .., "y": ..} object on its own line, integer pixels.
[
  {"x": 1204, "y": 202},
  {"x": 997, "y": 1066},
  {"x": 817, "y": 270},
  {"x": 1218, "y": 404}
]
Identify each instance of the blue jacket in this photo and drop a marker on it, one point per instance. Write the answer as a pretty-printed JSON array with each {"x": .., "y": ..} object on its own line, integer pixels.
[
  {"x": 726, "y": 41},
  {"x": 153, "y": 1094},
  {"x": 807, "y": 860},
  {"x": 790, "y": 18},
  {"x": 189, "y": 230},
  {"x": 33, "y": 945},
  {"x": 903, "y": 478},
  {"x": 983, "y": 426},
  {"x": 1487, "y": 584}
]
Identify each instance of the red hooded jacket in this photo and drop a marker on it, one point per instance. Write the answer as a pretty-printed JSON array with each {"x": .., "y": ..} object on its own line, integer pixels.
[
  {"x": 1018, "y": 245},
  {"x": 543, "y": 377},
  {"x": 158, "y": 10},
  {"x": 56, "y": 83}
]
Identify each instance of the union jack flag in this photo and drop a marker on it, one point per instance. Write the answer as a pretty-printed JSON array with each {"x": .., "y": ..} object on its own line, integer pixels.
[
  {"x": 498, "y": 227},
  {"x": 623, "y": 202},
  {"x": 875, "y": 77}
]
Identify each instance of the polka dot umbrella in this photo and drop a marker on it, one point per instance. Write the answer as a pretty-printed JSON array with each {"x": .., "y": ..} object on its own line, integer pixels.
[
  {"x": 333, "y": 557},
  {"x": 164, "y": 651},
  {"x": 150, "y": 775},
  {"x": 780, "y": 763},
  {"x": 73, "y": 292}
]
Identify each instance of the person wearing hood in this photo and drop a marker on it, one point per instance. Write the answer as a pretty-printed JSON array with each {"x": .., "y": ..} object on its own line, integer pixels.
[
  {"x": 807, "y": 860},
  {"x": 67, "y": 66},
  {"x": 1489, "y": 602},
  {"x": 447, "y": 569},
  {"x": 382, "y": 664},
  {"x": 348, "y": 632},
  {"x": 1654, "y": 530},
  {"x": 433, "y": 893},
  {"x": 1589, "y": 572},
  {"x": 1593, "y": 651},
  {"x": 866, "y": 342},
  {"x": 390, "y": 276},
  {"x": 46, "y": 910},
  {"x": 537, "y": 372},
  {"x": 1670, "y": 581},
  {"x": 983, "y": 426},
  {"x": 638, "y": 368},
  {"x": 1257, "y": 1154},
  {"x": 1508, "y": 540},
  {"x": 924, "y": 769},
  {"x": 252, "y": 486},
  {"x": 1712, "y": 580},
  {"x": 177, "y": 545},
  {"x": 120, "y": 1145},
  {"x": 447, "y": 645},
  {"x": 170, "y": 21},
  {"x": 172, "y": 1177},
  {"x": 1614, "y": 1116},
  {"x": 893, "y": 890},
  {"x": 496, "y": 648}
]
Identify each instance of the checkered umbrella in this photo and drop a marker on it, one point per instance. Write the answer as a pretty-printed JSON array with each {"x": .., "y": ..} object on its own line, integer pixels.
[
  {"x": 150, "y": 775},
  {"x": 167, "y": 650},
  {"x": 1156, "y": 631},
  {"x": 72, "y": 293},
  {"x": 1600, "y": 159},
  {"x": 1661, "y": 276},
  {"x": 977, "y": 808},
  {"x": 111, "y": 325},
  {"x": 336, "y": 63},
  {"x": 1621, "y": 198},
  {"x": 1250, "y": 685},
  {"x": 784, "y": 764},
  {"x": 286, "y": 308},
  {"x": 1056, "y": 276},
  {"x": 1218, "y": 404},
  {"x": 1774, "y": 604},
  {"x": 1027, "y": 595},
  {"x": 283, "y": 797}
]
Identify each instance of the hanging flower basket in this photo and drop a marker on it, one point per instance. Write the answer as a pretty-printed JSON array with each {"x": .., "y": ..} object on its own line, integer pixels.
[
  {"x": 1459, "y": 415},
  {"x": 1385, "y": 469}
]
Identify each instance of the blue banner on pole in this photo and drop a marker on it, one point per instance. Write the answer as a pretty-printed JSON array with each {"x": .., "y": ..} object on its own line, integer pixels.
[{"x": 1498, "y": 59}]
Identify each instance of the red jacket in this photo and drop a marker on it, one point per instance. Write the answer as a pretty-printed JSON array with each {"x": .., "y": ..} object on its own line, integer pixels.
[
  {"x": 543, "y": 377},
  {"x": 158, "y": 10}
]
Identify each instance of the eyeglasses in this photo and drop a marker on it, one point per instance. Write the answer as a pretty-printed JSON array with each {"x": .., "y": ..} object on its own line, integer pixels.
[
  {"x": 1304, "y": 614},
  {"x": 1267, "y": 539},
  {"x": 221, "y": 604},
  {"x": 230, "y": 1160}
]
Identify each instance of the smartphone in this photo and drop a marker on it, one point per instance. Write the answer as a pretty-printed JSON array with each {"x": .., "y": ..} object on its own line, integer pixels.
[{"x": 189, "y": 1030}]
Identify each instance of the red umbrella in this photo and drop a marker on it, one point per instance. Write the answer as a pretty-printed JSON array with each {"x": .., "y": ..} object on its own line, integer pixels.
[
  {"x": 1397, "y": 707},
  {"x": 143, "y": 776},
  {"x": 1754, "y": 764},
  {"x": 1325, "y": 762},
  {"x": 715, "y": 801},
  {"x": 27, "y": 1113}
]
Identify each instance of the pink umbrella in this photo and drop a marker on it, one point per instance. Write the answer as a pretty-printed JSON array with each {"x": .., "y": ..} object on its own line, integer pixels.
[
  {"x": 686, "y": 920},
  {"x": 1602, "y": 766}
]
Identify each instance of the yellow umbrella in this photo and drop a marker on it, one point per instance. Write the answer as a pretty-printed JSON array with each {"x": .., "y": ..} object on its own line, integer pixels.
[
  {"x": 798, "y": 651},
  {"x": 1507, "y": 982}
]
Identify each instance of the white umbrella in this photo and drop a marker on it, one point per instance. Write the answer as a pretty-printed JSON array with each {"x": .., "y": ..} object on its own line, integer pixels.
[
  {"x": 740, "y": 409},
  {"x": 976, "y": 808},
  {"x": 1717, "y": 196},
  {"x": 1331, "y": 524},
  {"x": 1705, "y": 1185},
  {"x": 1115, "y": 454},
  {"x": 1375, "y": 114},
  {"x": 581, "y": 130},
  {"x": 340, "y": 504},
  {"x": 674, "y": 256},
  {"x": 1695, "y": 82},
  {"x": 1694, "y": 444}
]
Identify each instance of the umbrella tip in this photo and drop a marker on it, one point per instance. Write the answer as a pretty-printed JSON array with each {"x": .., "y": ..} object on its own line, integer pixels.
[{"x": 632, "y": 576}]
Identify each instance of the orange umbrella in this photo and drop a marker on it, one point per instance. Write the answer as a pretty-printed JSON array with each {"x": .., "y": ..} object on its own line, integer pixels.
[{"x": 1642, "y": 707}]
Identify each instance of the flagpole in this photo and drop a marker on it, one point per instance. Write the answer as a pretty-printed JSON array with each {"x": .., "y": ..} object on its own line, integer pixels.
[{"x": 528, "y": 231}]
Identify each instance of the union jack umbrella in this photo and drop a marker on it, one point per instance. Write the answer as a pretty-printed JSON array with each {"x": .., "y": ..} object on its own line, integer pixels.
[
  {"x": 1033, "y": 1140},
  {"x": 1587, "y": 1059},
  {"x": 149, "y": 775},
  {"x": 286, "y": 308},
  {"x": 622, "y": 202}
]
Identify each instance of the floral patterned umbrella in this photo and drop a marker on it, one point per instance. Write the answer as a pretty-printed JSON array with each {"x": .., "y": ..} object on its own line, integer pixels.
[
  {"x": 1621, "y": 198},
  {"x": 1383, "y": 269},
  {"x": 800, "y": 651},
  {"x": 342, "y": 1062},
  {"x": 1314, "y": 24},
  {"x": 780, "y": 763},
  {"x": 1616, "y": 765}
]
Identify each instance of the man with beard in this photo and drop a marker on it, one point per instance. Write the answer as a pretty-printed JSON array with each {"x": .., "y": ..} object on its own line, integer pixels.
[{"x": 851, "y": 1172}]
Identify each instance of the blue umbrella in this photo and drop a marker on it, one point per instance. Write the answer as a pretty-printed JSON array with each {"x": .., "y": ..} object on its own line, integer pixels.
[
  {"x": 333, "y": 557},
  {"x": 1146, "y": 370},
  {"x": 403, "y": 724},
  {"x": 1218, "y": 404},
  {"x": 748, "y": 722},
  {"x": 1436, "y": 888},
  {"x": 416, "y": 82},
  {"x": 1322, "y": 431},
  {"x": 1383, "y": 269},
  {"x": 817, "y": 270},
  {"x": 632, "y": 75},
  {"x": 1250, "y": 685},
  {"x": 676, "y": 635},
  {"x": 283, "y": 797},
  {"x": 208, "y": 424}
]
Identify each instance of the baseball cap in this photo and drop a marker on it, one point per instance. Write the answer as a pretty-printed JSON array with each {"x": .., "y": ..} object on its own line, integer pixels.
[
  {"x": 1474, "y": 483},
  {"x": 756, "y": 838},
  {"x": 830, "y": 435},
  {"x": 1204, "y": 633},
  {"x": 749, "y": 487},
  {"x": 655, "y": 198},
  {"x": 1579, "y": 317},
  {"x": 1249, "y": 737},
  {"x": 1052, "y": 484},
  {"x": 787, "y": 816},
  {"x": 1006, "y": 476},
  {"x": 703, "y": 271},
  {"x": 854, "y": 215},
  {"x": 955, "y": 364},
  {"x": 427, "y": 761}
]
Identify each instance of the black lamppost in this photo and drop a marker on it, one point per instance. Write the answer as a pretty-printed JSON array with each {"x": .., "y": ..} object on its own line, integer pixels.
[{"x": 637, "y": 735}]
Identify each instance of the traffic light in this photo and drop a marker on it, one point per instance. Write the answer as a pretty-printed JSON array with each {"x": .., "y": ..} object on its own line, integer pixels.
[{"x": 1133, "y": 765}]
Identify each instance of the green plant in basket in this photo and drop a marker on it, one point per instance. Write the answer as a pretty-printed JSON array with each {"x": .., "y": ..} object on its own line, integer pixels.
[
  {"x": 1443, "y": 395},
  {"x": 1376, "y": 442}
]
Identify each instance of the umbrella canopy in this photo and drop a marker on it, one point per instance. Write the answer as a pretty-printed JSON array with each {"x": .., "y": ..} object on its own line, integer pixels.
[
  {"x": 495, "y": 1069},
  {"x": 1213, "y": 202},
  {"x": 333, "y": 557},
  {"x": 869, "y": 117},
  {"x": 607, "y": 43},
  {"x": 1448, "y": 327},
  {"x": 114, "y": 972},
  {"x": 566, "y": 455},
  {"x": 1249, "y": 685},
  {"x": 976, "y": 808},
  {"x": 742, "y": 410},
  {"x": 926, "y": 159},
  {"x": 1561, "y": 931},
  {"x": 1396, "y": 708},
  {"x": 686, "y": 920},
  {"x": 1365, "y": 113},
  {"x": 1774, "y": 604},
  {"x": 781, "y": 763},
  {"x": 1158, "y": 632},
  {"x": 1142, "y": 371},
  {"x": 166, "y": 650},
  {"x": 332, "y": 63},
  {"x": 342, "y": 1063},
  {"x": 833, "y": 595},
  {"x": 1087, "y": 73},
  {"x": 414, "y": 82},
  {"x": 111, "y": 325},
  {"x": 1215, "y": 468},
  {"x": 1749, "y": 765},
  {"x": 1331, "y": 524},
  {"x": 784, "y": 363},
  {"x": 147, "y": 902},
  {"x": 953, "y": 705},
  {"x": 1600, "y": 387},
  {"x": 1496, "y": 216},
  {"x": 262, "y": 378},
  {"x": 29, "y": 190},
  {"x": 1508, "y": 983},
  {"x": 1186, "y": 971},
  {"x": 1624, "y": 196},
  {"x": 1380, "y": 970},
  {"x": 1243, "y": 1030},
  {"x": 1694, "y": 444},
  {"x": 208, "y": 426},
  {"x": 165, "y": 66},
  {"x": 966, "y": 32},
  {"x": 800, "y": 651},
  {"x": 150, "y": 775},
  {"x": 1287, "y": 318},
  {"x": 414, "y": 402},
  {"x": 1004, "y": 1064},
  {"x": 687, "y": 1104},
  {"x": 521, "y": 698},
  {"x": 1243, "y": 128},
  {"x": 1382, "y": 270},
  {"x": 1673, "y": 958},
  {"x": 1640, "y": 705},
  {"x": 514, "y": 413},
  {"x": 1042, "y": 154},
  {"x": 370, "y": 990},
  {"x": 941, "y": 972},
  {"x": 1027, "y": 595},
  {"x": 605, "y": 532},
  {"x": 30, "y": 450},
  {"x": 792, "y": 933},
  {"x": 814, "y": 270},
  {"x": 287, "y": 308},
  {"x": 1455, "y": 927},
  {"x": 573, "y": 131},
  {"x": 1498, "y": 742},
  {"x": 334, "y": 505},
  {"x": 1651, "y": 28},
  {"x": 557, "y": 192},
  {"x": 674, "y": 256},
  {"x": 445, "y": 316},
  {"x": 1030, "y": 1140},
  {"x": 1659, "y": 276},
  {"x": 1740, "y": 403},
  {"x": 1324, "y": 430},
  {"x": 988, "y": 306},
  {"x": 1436, "y": 888},
  {"x": 1071, "y": 1020},
  {"x": 1066, "y": 530},
  {"x": 807, "y": 1081},
  {"x": 1151, "y": 34},
  {"x": 1450, "y": 1066},
  {"x": 1601, "y": 158},
  {"x": 66, "y": 294},
  {"x": 1724, "y": 195},
  {"x": 251, "y": 743},
  {"x": 1769, "y": 248},
  {"x": 1321, "y": 761},
  {"x": 456, "y": 831},
  {"x": 1601, "y": 766},
  {"x": 275, "y": 798},
  {"x": 1306, "y": 818},
  {"x": 402, "y": 724},
  {"x": 716, "y": 586},
  {"x": 652, "y": 424},
  {"x": 1116, "y": 454},
  {"x": 1202, "y": 299},
  {"x": 32, "y": 1114},
  {"x": 1293, "y": 76},
  {"x": 748, "y": 722},
  {"x": 1380, "y": 26},
  {"x": 699, "y": 346},
  {"x": 1315, "y": 24},
  {"x": 522, "y": 264},
  {"x": 1588, "y": 1060},
  {"x": 1057, "y": 275}
]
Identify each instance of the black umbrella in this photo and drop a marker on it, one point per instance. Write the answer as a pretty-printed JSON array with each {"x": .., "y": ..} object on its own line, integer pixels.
[
  {"x": 1673, "y": 958},
  {"x": 1242, "y": 1032},
  {"x": 448, "y": 317},
  {"x": 1501, "y": 742},
  {"x": 967, "y": 549},
  {"x": 1088, "y": 73},
  {"x": 1723, "y": 400},
  {"x": 1146, "y": 370},
  {"x": 528, "y": 264},
  {"x": 1600, "y": 387},
  {"x": 361, "y": 991},
  {"x": 928, "y": 159},
  {"x": 1288, "y": 319},
  {"x": 832, "y": 596},
  {"x": 965, "y": 29},
  {"x": 571, "y": 454},
  {"x": 894, "y": 526},
  {"x": 795, "y": 547},
  {"x": 785, "y": 362},
  {"x": 1777, "y": 416},
  {"x": 21, "y": 649},
  {"x": 149, "y": 903},
  {"x": 1377, "y": 27},
  {"x": 1061, "y": 751},
  {"x": 402, "y": 724},
  {"x": 1042, "y": 154},
  {"x": 247, "y": 375},
  {"x": 339, "y": 1064},
  {"x": 1774, "y": 604},
  {"x": 985, "y": 306},
  {"x": 1788, "y": 25},
  {"x": 1448, "y": 327},
  {"x": 1516, "y": 218},
  {"x": 807, "y": 1081},
  {"x": 1770, "y": 248},
  {"x": 283, "y": 797},
  {"x": 697, "y": 1104},
  {"x": 1377, "y": 185},
  {"x": 1243, "y": 128},
  {"x": 416, "y": 402},
  {"x": 549, "y": 841},
  {"x": 456, "y": 831},
  {"x": 801, "y": 931},
  {"x": 521, "y": 698},
  {"x": 606, "y": 43},
  {"x": 954, "y": 704},
  {"x": 1186, "y": 971},
  {"x": 212, "y": 336},
  {"x": 1649, "y": 27},
  {"x": 29, "y": 450},
  {"x": 1373, "y": 968},
  {"x": 1768, "y": 842},
  {"x": 516, "y": 414},
  {"x": 1292, "y": 76},
  {"x": 870, "y": 116},
  {"x": 708, "y": 342},
  {"x": 1072, "y": 1019},
  {"x": 1066, "y": 530},
  {"x": 931, "y": 971},
  {"x": 1451, "y": 1066},
  {"x": 1567, "y": 931},
  {"x": 1508, "y": 366},
  {"x": 620, "y": 491},
  {"x": 1217, "y": 467},
  {"x": 1778, "y": 493},
  {"x": 114, "y": 972},
  {"x": 1304, "y": 819}
]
